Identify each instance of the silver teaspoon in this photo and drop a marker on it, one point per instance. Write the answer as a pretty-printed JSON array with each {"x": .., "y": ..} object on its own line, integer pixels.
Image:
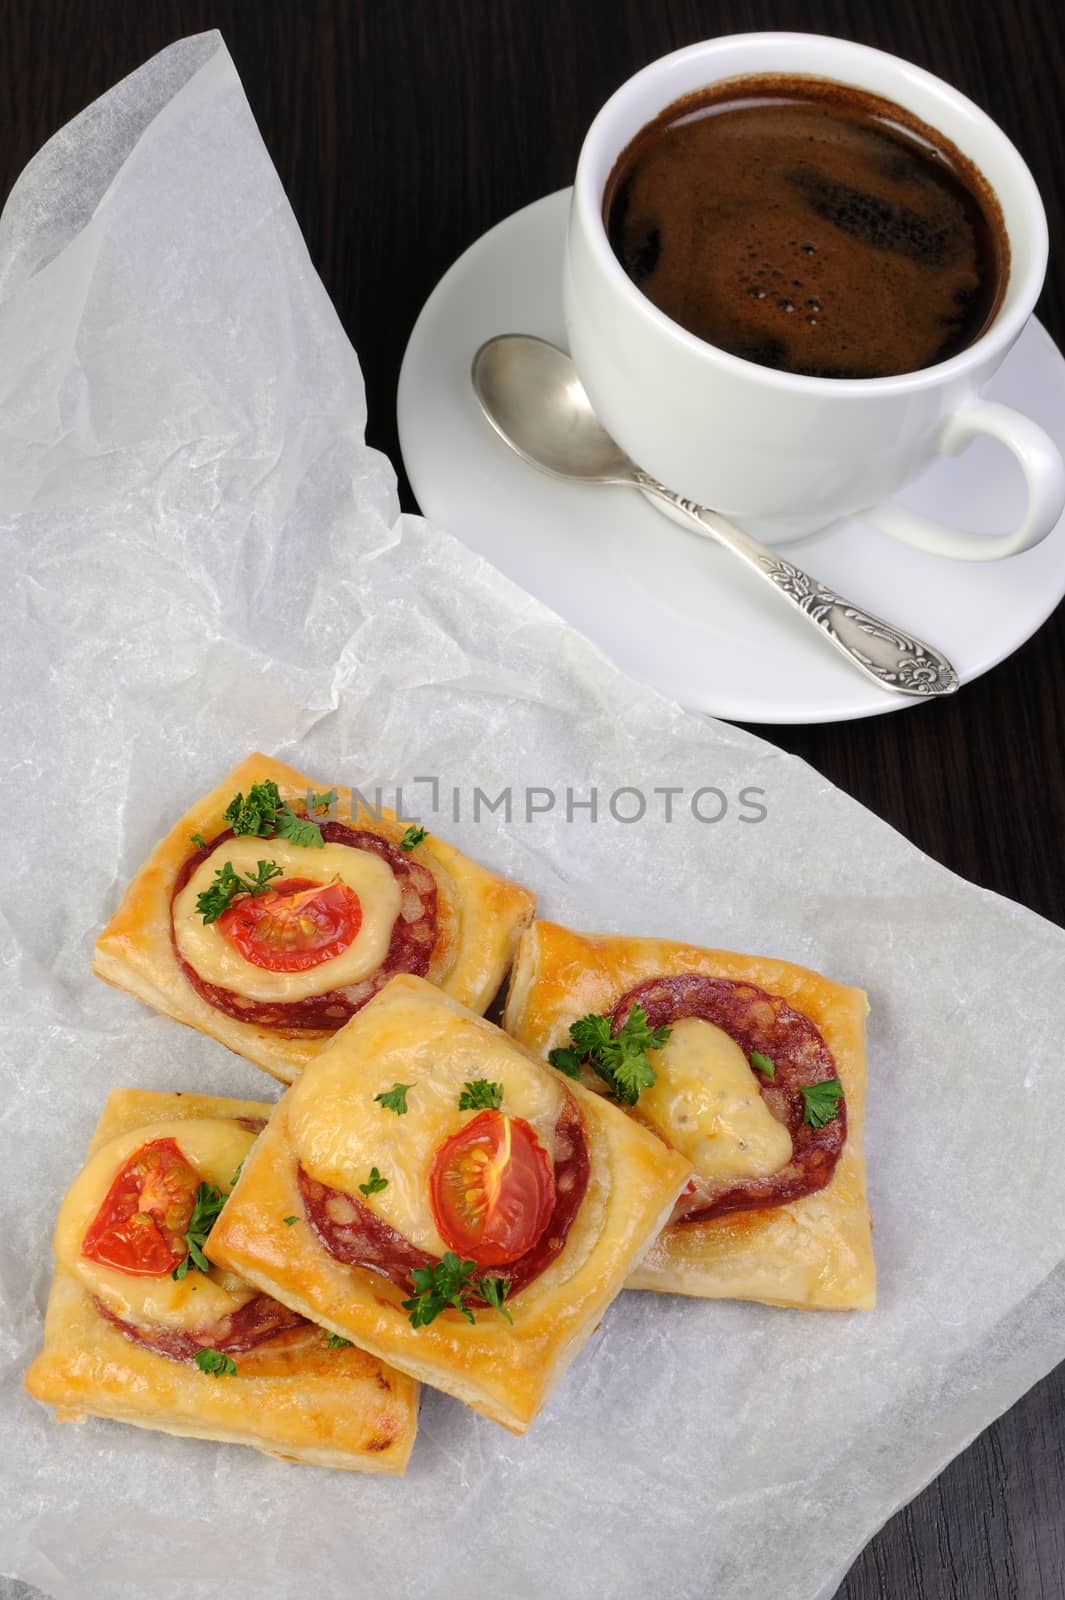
[{"x": 530, "y": 392}]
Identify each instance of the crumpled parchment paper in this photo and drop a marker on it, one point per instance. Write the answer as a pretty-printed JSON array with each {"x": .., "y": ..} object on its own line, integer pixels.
[{"x": 201, "y": 558}]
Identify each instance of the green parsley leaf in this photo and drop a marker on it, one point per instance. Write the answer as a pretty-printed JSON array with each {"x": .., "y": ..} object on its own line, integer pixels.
[
  {"x": 288, "y": 1221},
  {"x": 566, "y": 1061},
  {"x": 198, "y": 838},
  {"x": 619, "y": 1058},
  {"x": 325, "y": 802},
  {"x": 335, "y": 1341},
  {"x": 493, "y": 1291},
  {"x": 264, "y": 872},
  {"x": 227, "y": 884},
  {"x": 217, "y": 1363},
  {"x": 266, "y": 814},
  {"x": 436, "y": 1288},
  {"x": 235, "y": 1179},
  {"x": 822, "y": 1102},
  {"x": 763, "y": 1064},
  {"x": 255, "y": 814},
  {"x": 375, "y": 1185},
  {"x": 413, "y": 837},
  {"x": 592, "y": 1035},
  {"x": 395, "y": 1099},
  {"x": 205, "y": 1209},
  {"x": 479, "y": 1095},
  {"x": 195, "y": 1257},
  {"x": 298, "y": 830}
]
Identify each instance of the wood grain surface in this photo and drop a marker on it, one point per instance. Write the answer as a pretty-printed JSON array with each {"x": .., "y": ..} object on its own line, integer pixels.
[{"x": 402, "y": 129}]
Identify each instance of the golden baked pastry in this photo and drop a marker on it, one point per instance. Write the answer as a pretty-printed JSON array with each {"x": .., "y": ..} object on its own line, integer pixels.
[
  {"x": 464, "y": 1213},
  {"x": 268, "y": 932},
  {"x": 135, "y": 1331},
  {"x": 760, "y": 1084}
]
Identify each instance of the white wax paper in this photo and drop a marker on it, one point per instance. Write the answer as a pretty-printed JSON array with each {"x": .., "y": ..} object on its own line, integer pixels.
[{"x": 202, "y": 558}]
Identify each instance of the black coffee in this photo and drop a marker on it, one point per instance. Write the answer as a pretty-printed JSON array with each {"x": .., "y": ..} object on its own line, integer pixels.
[{"x": 809, "y": 226}]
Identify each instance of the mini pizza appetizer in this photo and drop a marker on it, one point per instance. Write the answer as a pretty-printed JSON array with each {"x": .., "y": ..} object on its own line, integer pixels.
[
  {"x": 462, "y": 1212},
  {"x": 142, "y": 1328},
  {"x": 754, "y": 1070},
  {"x": 270, "y": 913}
]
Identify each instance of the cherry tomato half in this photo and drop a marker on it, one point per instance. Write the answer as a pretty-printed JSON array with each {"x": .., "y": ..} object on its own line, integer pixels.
[
  {"x": 140, "y": 1226},
  {"x": 293, "y": 926},
  {"x": 492, "y": 1189}
]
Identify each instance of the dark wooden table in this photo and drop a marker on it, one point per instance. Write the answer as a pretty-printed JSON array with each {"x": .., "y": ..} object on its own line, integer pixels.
[{"x": 402, "y": 129}]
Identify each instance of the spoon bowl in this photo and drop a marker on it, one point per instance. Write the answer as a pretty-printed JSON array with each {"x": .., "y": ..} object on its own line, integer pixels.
[{"x": 530, "y": 392}]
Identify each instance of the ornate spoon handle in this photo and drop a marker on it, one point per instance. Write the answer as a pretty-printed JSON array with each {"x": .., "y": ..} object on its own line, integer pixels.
[{"x": 884, "y": 652}]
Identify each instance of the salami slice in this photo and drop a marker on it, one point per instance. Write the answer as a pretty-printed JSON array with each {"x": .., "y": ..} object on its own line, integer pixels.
[
  {"x": 252, "y": 1324},
  {"x": 756, "y": 1020},
  {"x": 410, "y": 948},
  {"x": 571, "y": 1182},
  {"x": 352, "y": 1233}
]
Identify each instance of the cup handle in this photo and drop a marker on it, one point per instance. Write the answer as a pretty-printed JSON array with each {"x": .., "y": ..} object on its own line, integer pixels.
[{"x": 1044, "y": 473}]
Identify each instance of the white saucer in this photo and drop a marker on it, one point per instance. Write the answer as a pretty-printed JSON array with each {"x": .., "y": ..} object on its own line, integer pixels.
[{"x": 667, "y": 607}]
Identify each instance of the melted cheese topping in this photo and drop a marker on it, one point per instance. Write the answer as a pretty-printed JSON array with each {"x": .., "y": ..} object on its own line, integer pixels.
[
  {"x": 215, "y": 1147},
  {"x": 339, "y": 1131},
  {"x": 707, "y": 1104},
  {"x": 209, "y": 952}
]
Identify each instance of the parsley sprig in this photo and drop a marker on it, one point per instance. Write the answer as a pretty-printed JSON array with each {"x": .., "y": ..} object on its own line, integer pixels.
[
  {"x": 413, "y": 837},
  {"x": 480, "y": 1095},
  {"x": 395, "y": 1099},
  {"x": 206, "y": 1207},
  {"x": 264, "y": 814},
  {"x": 448, "y": 1284},
  {"x": 436, "y": 1288},
  {"x": 216, "y": 1363},
  {"x": 375, "y": 1185},
  {"x": 256, "y": 813},
  {"x": 763, "y": 1064},
  {"x": 822, "y": 1102},
  {"x": 619, "y": 1058},
  {"x": 227, "y": 884},
  {"x": 493, "y": 1291},
  {"x": 298, "y": 830},
  {"x": 336, "y": 1341},
  {"x": 566, "y": 1061}
]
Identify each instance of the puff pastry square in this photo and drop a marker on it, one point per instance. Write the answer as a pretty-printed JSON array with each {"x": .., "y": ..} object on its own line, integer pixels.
[
  {"x": 430, "y": 910},
  {"x": 814, "y": 1252},
  {"x": 614, "y": 1184},
  {"x": 293, "y": 1395}
]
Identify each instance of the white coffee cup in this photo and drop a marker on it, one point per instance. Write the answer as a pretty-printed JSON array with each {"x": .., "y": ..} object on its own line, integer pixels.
[{"x": 778, "y": 452}]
